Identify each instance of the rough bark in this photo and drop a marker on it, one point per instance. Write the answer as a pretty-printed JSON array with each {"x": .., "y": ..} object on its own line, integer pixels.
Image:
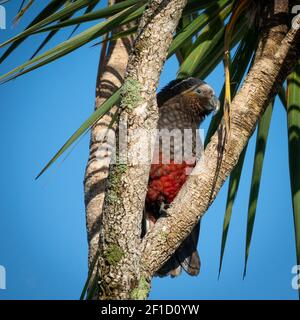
[
  {"x": 120, "y": 236},
  {"x": 278, "y": 52},
  {"x": 111, "y": 71}
]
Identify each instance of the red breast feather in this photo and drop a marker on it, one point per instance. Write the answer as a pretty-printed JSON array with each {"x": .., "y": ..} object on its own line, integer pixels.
[{"x": 166, "y": 180}]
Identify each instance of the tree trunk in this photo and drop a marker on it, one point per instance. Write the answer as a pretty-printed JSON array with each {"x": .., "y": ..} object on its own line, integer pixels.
[
  {"x": 120, "y": 235},
  {"x": 111, "y": 70}
]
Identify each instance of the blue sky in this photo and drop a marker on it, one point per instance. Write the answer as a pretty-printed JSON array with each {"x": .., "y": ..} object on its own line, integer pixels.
[{"x": 42, "y": 224}]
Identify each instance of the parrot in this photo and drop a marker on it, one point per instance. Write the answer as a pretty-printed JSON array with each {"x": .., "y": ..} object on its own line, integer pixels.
[{"x": 182, "y": 104}]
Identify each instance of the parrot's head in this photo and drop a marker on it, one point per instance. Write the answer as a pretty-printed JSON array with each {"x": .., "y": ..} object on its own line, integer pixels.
[
  {"x": 195, "y": 94},
  {"x": 205, "y": 97}
]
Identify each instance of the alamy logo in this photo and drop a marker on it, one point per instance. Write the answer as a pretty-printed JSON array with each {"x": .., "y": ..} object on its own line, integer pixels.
[
  {"x": 296, "y": 20},
  {"x": 2, "y": 278},
  {"x": 2, "y": 16},
  {"x": 296, "y": 279}
]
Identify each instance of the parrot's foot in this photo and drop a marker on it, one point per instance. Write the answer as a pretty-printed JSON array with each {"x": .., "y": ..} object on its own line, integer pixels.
[{"x": 163, "y": 209}]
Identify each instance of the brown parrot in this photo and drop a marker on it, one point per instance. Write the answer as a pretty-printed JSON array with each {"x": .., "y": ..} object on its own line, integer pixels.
[{"x": 183, "y": 104}]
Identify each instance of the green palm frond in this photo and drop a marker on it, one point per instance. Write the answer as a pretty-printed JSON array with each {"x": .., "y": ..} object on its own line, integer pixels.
[
  {"x": 233, "y": 187},
  {"x": 239, "y": 67},
  {"x": 23, "y": 10},
  {"x": 88, "y": 10},
  {"x": 212, "y": 34},
  {"x": 282, "y": 97},
  {"x": 293, "y": 123},
  {"x": 261, "y": 143},
  {"x": 196, "y": 25},
  {"x": 52, "y": 7},
  {"x": 95, "y": 15},
  {"x": 100, "y": 112},
  {"x": 71, "y": 8},
  {"x": 47, "y": 39},
  {"x": 74, "y": 43},
  {"x": 90, "y": 282},
  {"x": 21, "y": 6}
]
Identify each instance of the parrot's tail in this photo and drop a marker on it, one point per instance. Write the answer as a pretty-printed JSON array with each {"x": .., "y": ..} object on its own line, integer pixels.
[{"x": 186, "y": 257}]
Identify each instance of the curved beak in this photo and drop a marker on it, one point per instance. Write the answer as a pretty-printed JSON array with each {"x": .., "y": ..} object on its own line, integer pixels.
[{"x": 215, "y": 103}]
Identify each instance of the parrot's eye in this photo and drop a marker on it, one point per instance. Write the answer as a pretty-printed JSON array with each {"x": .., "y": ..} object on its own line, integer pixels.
[{"x": 199, "y": 91}]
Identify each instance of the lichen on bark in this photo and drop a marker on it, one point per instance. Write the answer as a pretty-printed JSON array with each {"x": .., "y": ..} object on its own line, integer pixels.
[
  {"x": 142, "y": 290},
  {"x": 114, "y": 254},
  {"x": 114, "y": 182},
  {"x": 131, "y": 94}
]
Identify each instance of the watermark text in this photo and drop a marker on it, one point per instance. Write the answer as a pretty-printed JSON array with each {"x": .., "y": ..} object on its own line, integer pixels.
[
  {"x": 2, "y": 17},
  {"x": 296, "y": 19},
  {"x": 296, "y": 278},
  {"x": 2, "y": 278},
  {"x": 144, "y": 147}
]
